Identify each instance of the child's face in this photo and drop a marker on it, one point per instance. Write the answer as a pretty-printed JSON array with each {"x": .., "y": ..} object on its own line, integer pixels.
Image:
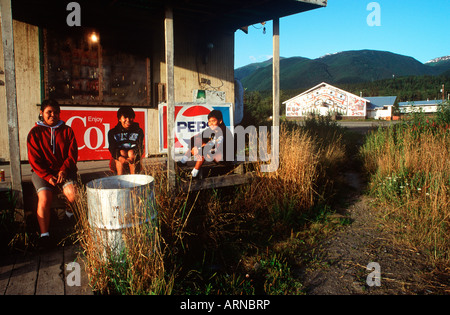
[
  {"x": 50, "y": 116},
  {"x": 213, "y": 123},
  {"x": 126, "y": 121}
]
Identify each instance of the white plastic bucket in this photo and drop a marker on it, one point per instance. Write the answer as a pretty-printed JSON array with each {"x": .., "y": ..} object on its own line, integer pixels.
[{"x": 118, "y": 203}]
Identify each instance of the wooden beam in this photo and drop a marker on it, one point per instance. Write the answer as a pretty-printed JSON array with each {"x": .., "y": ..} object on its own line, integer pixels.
[
  {"x": 11, "y": 105},
  {"x": 217, "y": 182},
  {"x": 276, "y": 72},
  {"x": 170, "y": 84}
]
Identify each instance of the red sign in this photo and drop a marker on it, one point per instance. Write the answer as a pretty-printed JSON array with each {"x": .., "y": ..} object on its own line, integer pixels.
[{"x": 91, "y": 126}]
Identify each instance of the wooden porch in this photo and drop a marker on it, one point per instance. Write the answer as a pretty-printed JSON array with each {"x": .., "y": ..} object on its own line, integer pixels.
[
  {"x": 25, "y": 272},
  {"x": 46, "y": 274}
]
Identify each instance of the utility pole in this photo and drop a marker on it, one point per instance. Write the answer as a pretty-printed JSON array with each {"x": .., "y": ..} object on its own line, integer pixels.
[{"x": 443, "y": 93}]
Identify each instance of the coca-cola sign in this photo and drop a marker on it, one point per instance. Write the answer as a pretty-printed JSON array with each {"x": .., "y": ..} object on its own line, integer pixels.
[{"x": 91, "y": 126}]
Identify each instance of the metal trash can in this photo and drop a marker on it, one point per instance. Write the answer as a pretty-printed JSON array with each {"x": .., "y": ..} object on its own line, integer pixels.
[{"x": 115, "y": 204}]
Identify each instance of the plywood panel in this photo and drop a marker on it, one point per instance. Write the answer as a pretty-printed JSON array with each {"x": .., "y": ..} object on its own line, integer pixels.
[
  {"x": 153, "y": 132},
  {"x": 26, "y": 49},
  {"x": 194, "y": 61}
]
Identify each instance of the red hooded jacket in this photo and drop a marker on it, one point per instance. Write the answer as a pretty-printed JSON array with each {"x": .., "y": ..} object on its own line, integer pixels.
[{"x": 52, "y": 149}]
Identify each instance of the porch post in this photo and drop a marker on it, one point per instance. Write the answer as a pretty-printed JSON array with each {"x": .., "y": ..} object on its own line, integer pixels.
[
  {"x": 169, "y": 43},
  {"x": 275, "y": 134},
  {"x": 11, "y": 105},
  {"x": 276, "y": 72}
]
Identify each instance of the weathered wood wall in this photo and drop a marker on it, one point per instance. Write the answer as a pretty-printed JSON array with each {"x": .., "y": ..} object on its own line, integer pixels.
[
  {"x": 26, "y": 49},
  {"x": 195, "y": 61},
  {"x": 197, "y": 66}
]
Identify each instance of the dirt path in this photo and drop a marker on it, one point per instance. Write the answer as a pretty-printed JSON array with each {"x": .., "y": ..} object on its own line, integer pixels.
[{"x": 343, "y": 259}]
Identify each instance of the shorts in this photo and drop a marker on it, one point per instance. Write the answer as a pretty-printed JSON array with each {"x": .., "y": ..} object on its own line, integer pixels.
[{"x": 42, "y": 184}]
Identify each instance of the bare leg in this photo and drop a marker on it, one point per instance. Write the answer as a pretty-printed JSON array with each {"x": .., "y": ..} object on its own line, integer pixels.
[
  {"x": 70, "y": 192},
  {"x": 45, "y": 197},
  {"x": 132, "y": 161},
  {"x": 119, "y": 165},
  {"x": 199, "y": 163}
]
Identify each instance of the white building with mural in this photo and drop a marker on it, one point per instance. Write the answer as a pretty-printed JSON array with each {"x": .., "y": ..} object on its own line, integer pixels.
[{"x": 325, "y": 99}]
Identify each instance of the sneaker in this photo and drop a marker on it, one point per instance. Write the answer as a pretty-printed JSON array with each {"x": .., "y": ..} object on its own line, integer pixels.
[{"x": 199, "y": 175}]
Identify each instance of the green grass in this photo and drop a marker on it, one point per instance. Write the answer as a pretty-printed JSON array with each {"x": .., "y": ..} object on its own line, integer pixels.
[{"x": 410, "y": 180}]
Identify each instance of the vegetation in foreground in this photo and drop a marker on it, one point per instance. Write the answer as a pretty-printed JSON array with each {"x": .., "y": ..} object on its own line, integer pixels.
[
  {"x": 249, "y": 239},
  {"x": 409, "y": 169}
]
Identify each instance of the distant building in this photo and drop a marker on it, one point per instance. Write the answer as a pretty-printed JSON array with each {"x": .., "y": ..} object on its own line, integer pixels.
[
  {"x": 417, "y": 106},
  {"x": 325, "y": 99},
  {"x": 380, "y": 107}
]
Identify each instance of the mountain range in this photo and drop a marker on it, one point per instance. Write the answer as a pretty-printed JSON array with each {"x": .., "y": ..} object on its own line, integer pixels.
[{"x": 346, "y": 67}]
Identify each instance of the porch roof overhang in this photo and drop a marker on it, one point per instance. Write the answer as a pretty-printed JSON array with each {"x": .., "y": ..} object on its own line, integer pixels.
[{"x": 141, "y": 15}]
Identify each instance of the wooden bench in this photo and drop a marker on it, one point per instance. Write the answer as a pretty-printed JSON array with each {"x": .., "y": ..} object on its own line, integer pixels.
[{"x": 213, "y": 175}]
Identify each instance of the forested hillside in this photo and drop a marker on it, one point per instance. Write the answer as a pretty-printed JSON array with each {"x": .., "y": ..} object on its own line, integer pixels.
[{"x": 365, "y": 69}]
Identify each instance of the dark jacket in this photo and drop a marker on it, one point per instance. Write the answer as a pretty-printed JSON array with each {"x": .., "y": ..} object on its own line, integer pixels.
[
  {"x": 120, "y": 138},
  {"x": 222, "y": 141}
]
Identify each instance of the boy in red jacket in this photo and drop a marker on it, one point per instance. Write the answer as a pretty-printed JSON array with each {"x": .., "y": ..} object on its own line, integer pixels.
[{"x": 53, "y": 154}]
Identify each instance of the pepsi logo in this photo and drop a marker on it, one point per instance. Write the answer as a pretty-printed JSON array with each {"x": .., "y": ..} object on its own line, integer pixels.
[{"x": 190, "y": 121}]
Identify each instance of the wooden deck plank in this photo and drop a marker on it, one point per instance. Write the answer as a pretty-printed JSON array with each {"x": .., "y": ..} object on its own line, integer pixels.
[
  {"x": 71, "y": 254},
  {"x": 23, "y": 276},
  {"x": 42, "y": 275},
  {"x": 50, "y": 279},
  {"x": 6, "y": 267}
]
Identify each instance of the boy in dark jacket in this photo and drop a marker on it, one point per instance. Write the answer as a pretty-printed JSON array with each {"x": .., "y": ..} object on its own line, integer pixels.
[
  {"x": 211, "y": 144},
  {"x": 126, "y": 141}
]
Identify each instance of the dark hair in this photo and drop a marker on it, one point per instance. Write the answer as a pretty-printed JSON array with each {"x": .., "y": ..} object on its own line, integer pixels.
[
  {"x": 126, "y": 112},
  {"x": 50, "y": 102},
  {"x": 217, "y": 114}
]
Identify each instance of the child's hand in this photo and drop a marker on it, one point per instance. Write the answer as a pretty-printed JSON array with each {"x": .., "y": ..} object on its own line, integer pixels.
[
  {"x": 61, "y": 177},
  {"x": 53, "y": 181},
  {"x": 122, "y": 160}
]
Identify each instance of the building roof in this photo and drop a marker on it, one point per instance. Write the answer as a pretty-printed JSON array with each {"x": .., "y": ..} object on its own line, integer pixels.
[
  {"x": 421, "y": 103},
  {"x": 323, "y": 84},
  {"x": 380, "y": 101},
  {"x": 143, "y": 14}
]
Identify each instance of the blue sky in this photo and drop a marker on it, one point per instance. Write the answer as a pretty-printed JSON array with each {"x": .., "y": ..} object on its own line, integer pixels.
[{"x": 415, "y": 28}]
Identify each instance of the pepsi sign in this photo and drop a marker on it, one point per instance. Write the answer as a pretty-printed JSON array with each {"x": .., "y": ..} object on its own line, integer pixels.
[{"x": 190, "y": 119}]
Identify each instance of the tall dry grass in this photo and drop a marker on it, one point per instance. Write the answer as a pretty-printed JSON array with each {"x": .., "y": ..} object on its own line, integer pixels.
[
  {"x": 303, "y": 178},
  {"x": 410, "y": 178},
  {"x": 218, "y": 222}
]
